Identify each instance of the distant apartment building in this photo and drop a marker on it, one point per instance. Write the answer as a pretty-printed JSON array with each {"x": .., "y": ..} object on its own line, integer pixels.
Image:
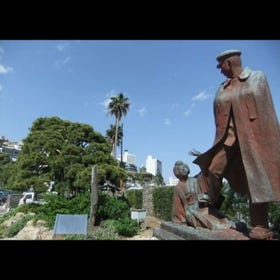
[
  {"x": 129, "y": 159},
  {"x": 153, "y": 165},
  {"x": 11, "y": 148}
]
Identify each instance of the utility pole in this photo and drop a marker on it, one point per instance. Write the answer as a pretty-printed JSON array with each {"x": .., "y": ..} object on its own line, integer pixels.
[
  {"x": 93, "y": 198},
  {"x": 122, "y": 144},
  {"x": 121, "y": 181}
]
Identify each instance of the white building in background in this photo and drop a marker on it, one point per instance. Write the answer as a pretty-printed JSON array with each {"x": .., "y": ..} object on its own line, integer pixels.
[
  {"x": 153, "y": 165},
  {"x": 173, "y": 181},
  {"x": 128, "y": 158}
]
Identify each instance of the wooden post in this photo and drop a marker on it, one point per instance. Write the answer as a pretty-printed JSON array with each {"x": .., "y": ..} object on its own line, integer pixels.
[{"x": 93, "y": 198}]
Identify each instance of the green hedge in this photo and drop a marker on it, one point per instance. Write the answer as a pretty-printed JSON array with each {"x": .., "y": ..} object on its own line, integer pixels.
[
  {"x": 135, "y": 198},
  {"x": 162, "y": 202}
]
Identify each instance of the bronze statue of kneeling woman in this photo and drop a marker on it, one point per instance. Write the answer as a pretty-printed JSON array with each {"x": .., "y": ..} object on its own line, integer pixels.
[{"x": 190, "y": 202}]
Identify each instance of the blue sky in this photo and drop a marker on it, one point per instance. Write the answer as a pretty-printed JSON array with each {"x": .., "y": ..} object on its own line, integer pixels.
[{"x": 170, "y": 85}]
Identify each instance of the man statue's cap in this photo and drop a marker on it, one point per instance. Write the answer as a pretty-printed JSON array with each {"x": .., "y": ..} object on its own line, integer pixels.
[{"x": 228, "y": 53}]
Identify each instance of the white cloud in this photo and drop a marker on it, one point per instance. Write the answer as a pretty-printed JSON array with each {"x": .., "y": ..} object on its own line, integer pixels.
[
  {"x": 167, "y": 121},
  {"x": 111, "y": 93},
  {"x": 201, "y": 96},
  {"x": 59, "y": 64},
  {"x": 68, "y": 58},
  {"x": 5, "y": 70},
  {"x": 142, "y": 112},
  {"x": 105, "y": 103},
  {"x": 187, "y": 113},
  {"x": 61, "y": 47},
  {"x": 107, "y": 100}
]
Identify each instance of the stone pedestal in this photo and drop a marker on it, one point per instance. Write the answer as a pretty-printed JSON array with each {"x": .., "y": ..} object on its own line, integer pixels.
[
  {"x": 173, "y": 231},
  {"x": 139, "y": 215}
]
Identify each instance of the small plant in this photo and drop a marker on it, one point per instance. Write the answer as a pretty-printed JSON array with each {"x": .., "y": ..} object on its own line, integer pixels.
[
  {"x": 8, "y": 215},
  {"x": 108, "y": 233},
  {"x": 18, "y": 226}
]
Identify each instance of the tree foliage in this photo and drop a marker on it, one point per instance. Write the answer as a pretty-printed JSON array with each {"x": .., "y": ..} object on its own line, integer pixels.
[
  {"x": 6, "y": 169},
  {"x": 110, "y": 135},
  {"x": 64, "y": 152},
  {"x": 235, "y": 205},
  {"x": 274, "y": 216}
]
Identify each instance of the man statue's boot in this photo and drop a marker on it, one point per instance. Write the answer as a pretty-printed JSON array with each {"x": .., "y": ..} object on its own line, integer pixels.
[
  {"x": 219, "y": 201},
  {"x": 214, "y": 191}
]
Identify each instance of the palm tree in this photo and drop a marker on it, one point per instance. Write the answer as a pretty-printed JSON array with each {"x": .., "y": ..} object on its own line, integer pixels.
[
  {"x": 110, "y": 135},
  {"x": 118, "y": 106}
]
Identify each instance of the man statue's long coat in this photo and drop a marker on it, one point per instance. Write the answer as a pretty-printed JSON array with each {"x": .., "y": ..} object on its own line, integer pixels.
[{"x": 258, "y": 134}]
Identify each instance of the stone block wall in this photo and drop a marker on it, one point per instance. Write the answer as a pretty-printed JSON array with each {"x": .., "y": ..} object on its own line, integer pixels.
[{"x": 148, "y": 199}]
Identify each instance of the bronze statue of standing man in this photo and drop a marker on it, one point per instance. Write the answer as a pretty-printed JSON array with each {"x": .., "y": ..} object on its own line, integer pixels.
[{"x": 246, "y": 148}]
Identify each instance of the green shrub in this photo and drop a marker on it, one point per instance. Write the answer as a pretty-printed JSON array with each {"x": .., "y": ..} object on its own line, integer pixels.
[
  {"x": 109, "y": 207},
  {"x": 108, "y": 223},
  {"x": 127, "y": 227},
  {"x": 57, "y": 204}
]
